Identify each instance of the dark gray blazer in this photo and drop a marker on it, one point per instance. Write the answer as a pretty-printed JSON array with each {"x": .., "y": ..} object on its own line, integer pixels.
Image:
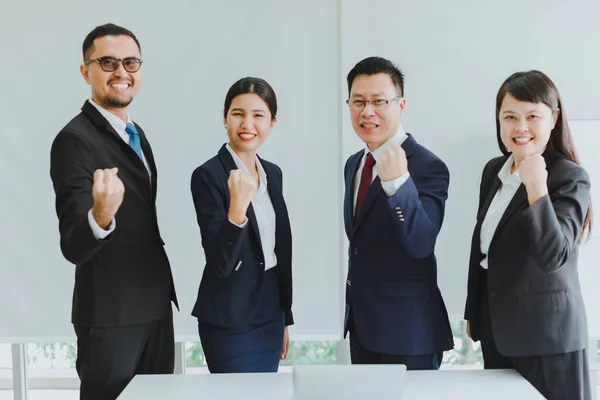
[{"x": 535, "y": 301}]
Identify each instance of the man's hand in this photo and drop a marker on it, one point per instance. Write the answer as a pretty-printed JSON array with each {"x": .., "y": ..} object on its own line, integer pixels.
[
  {"x": 107, "y": 191},
  {"x": 392, "y": 164}
]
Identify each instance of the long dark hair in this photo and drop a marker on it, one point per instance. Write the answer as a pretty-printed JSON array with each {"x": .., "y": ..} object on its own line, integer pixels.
[{"x": 535, "y": 87}]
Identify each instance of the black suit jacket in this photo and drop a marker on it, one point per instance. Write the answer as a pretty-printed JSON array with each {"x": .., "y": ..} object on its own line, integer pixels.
[
  {"x": 235, "y": 265},
  {"x": 124, "y": 279},
  {"x": 535, "y": 302}
]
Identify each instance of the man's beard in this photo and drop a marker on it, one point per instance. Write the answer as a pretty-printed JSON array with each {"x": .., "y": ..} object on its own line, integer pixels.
[{"x": 115, "y": 102}]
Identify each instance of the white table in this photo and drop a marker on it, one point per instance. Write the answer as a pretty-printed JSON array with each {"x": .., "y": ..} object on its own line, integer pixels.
[{"x": 422, "y": 385}]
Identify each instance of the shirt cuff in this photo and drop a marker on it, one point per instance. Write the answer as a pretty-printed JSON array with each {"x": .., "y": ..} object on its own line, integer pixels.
[
  {"x": 243, "y": 224},
  {"x": 98, "y": 232},
  {"x": 391, "y": 187}
]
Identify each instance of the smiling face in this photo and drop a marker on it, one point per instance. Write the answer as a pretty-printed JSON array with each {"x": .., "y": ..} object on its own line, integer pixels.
[
  {"x": 525, "y": 127},
  {"x": 113, "y": 90},
  {"x": 248, "y": 123},
  {"x": 375, "y": 125}
]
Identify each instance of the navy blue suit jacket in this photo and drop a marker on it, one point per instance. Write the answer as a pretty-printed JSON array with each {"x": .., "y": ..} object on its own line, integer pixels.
[
  {"x": 235, "y": 263},
  {"x": 393, "y": 303}
]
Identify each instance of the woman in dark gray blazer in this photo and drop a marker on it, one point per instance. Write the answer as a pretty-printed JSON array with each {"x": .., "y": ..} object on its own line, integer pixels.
[{"x": 524, "y": 300}]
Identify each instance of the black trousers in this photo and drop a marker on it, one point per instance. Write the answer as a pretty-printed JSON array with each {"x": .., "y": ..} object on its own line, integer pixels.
[
  {"x": 108, "y": 358},
  {"x": 556, "y": 376}
]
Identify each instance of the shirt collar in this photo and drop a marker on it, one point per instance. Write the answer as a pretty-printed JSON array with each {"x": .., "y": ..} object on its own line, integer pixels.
[
  {"x": 398, "y": 138},
  {"x": 240, "y": 165},
  {"x": 114, "y": 121},
  {"x": 504, "y": 174}
]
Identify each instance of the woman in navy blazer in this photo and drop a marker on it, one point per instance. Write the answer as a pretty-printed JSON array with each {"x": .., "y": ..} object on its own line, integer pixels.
[
  {"x": 245, "y": 296},
  {"x": 524, "y": 300}
]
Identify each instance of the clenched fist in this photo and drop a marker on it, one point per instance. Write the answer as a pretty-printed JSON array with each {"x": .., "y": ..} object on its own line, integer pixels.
[
  {"x": 242, "y": 187},
  {"x": 107, "y": 192},
  {"x": 392, "y": 164},
  {"x": 534, "y": 176}
]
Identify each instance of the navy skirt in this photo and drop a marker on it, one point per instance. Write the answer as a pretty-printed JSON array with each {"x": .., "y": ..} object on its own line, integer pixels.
[{"x": 255, "y": 347}]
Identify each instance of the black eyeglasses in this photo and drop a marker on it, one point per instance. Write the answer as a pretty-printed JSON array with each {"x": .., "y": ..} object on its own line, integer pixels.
[{"x": 110, "y": 64}]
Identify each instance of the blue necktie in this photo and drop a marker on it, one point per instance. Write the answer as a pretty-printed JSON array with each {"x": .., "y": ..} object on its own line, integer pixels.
[{"x": 134, "y": 139}]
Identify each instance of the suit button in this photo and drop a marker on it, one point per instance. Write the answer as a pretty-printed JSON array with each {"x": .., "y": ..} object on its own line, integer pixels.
[
  {"x": 355, "y": 251},
  {"x": 492, "y": 294}
]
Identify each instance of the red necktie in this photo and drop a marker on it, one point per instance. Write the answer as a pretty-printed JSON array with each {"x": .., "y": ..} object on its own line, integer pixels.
[{"x": 365, "y": 181}]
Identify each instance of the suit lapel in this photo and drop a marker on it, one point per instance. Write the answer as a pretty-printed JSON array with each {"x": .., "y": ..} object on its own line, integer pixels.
[
  {"x": 515, "y": 204},
  {"x": 409, "y": 145},
  {"x": 374, "y": 190},
  {"x": 105, "y": 127},
  {"x": 147, "y": 150},
  {"x": 496, "y": 182},
  {"x": 229, "y": 165},
  {"x": 517, "y": 201},
  {"x": 276, "y": 195},
  {"x": 353, "y": 164},
  {"x": 100, "y": 121}
]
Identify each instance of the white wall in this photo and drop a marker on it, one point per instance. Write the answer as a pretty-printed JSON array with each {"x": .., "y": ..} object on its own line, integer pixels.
[
  {"x": 193, "y": 52},
  {"x": 455, "y": 56}
]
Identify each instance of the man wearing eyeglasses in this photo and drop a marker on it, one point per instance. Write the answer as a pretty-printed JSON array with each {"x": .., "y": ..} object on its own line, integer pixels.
[
  {"x": 105, "y": 181},
  {"x": 393, "y": 210}
]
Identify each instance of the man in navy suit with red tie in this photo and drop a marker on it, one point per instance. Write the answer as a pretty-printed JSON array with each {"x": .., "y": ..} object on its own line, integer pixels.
[{"x": 393, "y": 211}]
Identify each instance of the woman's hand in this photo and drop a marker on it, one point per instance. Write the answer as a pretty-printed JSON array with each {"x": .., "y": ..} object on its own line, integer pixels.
[
  {"x": 534, "y": 176},
  {"x": 286, "y": 344},
  {"x": 241, "y": 190}
]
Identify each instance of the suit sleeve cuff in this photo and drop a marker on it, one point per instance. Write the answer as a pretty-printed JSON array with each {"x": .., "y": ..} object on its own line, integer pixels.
[
  {"x": 242, "y": 225},
  {"x": 98, "y": 232},
  {"x": 289, "y": 318},
  {"x": 391, "y": 187}
]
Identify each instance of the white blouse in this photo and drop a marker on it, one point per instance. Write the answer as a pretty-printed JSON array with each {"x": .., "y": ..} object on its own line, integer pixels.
[
  {"x": 508, "y": 188},
  {"x": 264, "y": 211}
]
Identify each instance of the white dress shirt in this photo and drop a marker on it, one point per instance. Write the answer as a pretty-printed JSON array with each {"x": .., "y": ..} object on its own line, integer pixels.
[
  {"x": 264, "y": 211},
  {"x": 389, "y": 187},
  {"x": 119, "y": 126},
  {"x": 508, "y": 188}
]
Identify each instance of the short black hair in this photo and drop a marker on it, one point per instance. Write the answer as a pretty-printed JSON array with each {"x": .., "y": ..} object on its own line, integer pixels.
[
  {"x": 105, "y": 30},
  {"x": 252, "y": 85},
  {"x": 374, "y": 66}
]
